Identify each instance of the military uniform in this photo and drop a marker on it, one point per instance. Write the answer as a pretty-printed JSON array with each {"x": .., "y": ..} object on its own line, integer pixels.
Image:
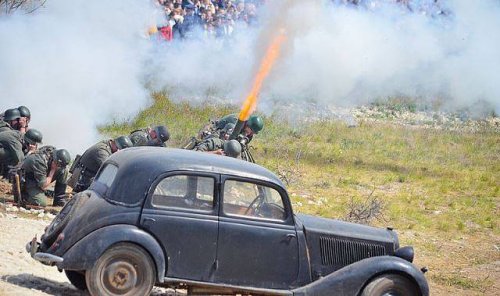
[
  {"x": 11, "y": 150},
  {"x": 36, "y": 168},
  {"x": 141, "y": 137},
  {"x": 90, "y": 162},
  {"x": 4, "y": 126},
  {"x": 210, "y": 144},
  {"x": 231, "y": 118}
]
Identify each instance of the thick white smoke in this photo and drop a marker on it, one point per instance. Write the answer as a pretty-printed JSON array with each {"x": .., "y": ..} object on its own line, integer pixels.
[
  {"x": 351, "y": 55},
  {"x": 75, "y": 64},
  {"x": 338, "y": 54}
]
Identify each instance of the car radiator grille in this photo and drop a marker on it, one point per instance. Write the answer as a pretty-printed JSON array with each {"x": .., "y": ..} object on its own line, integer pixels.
[{"x": 341, "y": 252}]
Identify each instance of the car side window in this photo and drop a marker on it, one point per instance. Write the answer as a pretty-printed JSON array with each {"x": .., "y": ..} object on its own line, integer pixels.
[
  {"x": 252, "y": 200},
  {"x": 185, "y": 192}
]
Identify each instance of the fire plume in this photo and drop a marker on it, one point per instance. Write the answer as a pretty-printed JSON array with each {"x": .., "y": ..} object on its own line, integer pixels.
[{"x": 266, "y": 65}]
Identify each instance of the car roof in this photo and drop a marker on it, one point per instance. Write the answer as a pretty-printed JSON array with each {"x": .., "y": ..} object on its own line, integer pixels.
[{"x": 140, "y": 166}]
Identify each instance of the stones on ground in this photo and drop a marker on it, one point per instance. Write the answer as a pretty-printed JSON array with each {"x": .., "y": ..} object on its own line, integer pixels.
[
  {"x": 12, "y": 209},
  {"x": 41, "y": 215},
  {"x": 50, "y": 216}
]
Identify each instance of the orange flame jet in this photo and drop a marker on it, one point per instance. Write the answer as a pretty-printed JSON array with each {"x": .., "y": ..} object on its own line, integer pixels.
[{"x": 265, "y": 67}]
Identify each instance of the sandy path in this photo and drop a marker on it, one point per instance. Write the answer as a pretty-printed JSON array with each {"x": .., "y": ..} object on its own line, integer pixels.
[{"x": 19, "y": 273}]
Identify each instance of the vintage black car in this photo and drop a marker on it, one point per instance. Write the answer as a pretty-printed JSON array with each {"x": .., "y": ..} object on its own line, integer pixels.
[{"x": 214, "y": 225}]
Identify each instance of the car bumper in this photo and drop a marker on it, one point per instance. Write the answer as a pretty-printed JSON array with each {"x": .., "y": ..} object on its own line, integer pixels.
[{"x": 33, "y": 246}]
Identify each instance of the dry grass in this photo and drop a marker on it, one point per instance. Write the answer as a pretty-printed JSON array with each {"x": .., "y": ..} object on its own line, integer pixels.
[{"x": 439, "y": 188}]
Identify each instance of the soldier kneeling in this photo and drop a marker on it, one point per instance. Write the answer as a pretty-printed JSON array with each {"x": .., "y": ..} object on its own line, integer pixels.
[{"x": 41, "y": 168}]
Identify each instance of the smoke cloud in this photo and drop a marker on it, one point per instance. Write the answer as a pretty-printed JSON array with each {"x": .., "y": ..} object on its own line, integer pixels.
[
  {"x": 77, "y": 64},
  {"x": 348, "y": 55}
]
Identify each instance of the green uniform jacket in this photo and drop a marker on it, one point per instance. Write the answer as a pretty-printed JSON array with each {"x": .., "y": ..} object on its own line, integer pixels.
[
  {"x": 94, "y": 157},
  {"x": 140, "y": 137},
  {"x": 4, "y": 126},
  {"x": 210, "y": 144},
  {"x": 11, "y": 147},
  {"x": 36, "y": 168}
]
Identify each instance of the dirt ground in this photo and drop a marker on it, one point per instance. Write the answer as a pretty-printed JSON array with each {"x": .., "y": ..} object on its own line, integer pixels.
[{"x": 454, "y": 267}]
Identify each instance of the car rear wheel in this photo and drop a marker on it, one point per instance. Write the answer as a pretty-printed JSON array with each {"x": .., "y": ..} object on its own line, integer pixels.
[
  {"x": 62, "y": 219},
  {"x": 390, "y": 285},
  {"x": 77, "y": 278},
  {"x": 124, "y": 269}
]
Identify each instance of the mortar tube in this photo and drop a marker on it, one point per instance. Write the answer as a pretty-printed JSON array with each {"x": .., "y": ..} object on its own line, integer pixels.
[{"x": 237, "y": 129}]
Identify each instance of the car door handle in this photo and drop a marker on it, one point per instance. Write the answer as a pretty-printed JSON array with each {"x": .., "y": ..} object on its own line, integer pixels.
[
  {"x": 145, "y": 220},
  {"x": 290, "y": 236}
]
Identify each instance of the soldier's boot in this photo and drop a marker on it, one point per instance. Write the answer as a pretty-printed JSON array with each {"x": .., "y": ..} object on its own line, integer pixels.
[{"x": 59, "y": 201}]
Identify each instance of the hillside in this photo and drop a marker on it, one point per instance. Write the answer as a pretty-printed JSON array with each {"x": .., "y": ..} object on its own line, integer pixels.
[{"x": 436, "y": 181}]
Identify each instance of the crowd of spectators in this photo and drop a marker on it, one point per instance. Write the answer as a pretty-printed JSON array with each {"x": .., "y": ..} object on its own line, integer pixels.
[
  {"x": 221, "y": 18},
  {"x": 211, "y": 18}
]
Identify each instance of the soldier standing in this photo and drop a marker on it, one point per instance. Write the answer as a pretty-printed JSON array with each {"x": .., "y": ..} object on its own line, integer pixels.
[
  {"x": 92, "y": 159},
  {"x": 14, "y": 146},
  {"x": 156, "y": 136},
  {"x": 41, "y": 168}
]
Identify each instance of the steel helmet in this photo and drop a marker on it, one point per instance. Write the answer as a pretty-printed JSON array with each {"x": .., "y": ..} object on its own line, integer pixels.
[
  {"x": 11, "y": 114},
  {"x": 162, "y": 133},
  {"x": 62, "y": 157},
  {"x": 232, "y": 148},
  {"x": 24, "y": 111},
  {"x": 255, "y": 123},
  {"x": 123, "y": 142},
  {"x": 228, "y": 128},
  {"x": 33, "y": 136}
]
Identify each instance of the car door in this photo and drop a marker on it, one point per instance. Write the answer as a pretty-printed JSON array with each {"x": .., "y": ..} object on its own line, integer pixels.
[
  {"x": 180, "y": 212},
  {"x": 257, "y": 243}
]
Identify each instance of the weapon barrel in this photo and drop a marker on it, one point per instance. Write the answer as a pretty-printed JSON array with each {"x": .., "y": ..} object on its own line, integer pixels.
[{"x": 237, "y": 129}]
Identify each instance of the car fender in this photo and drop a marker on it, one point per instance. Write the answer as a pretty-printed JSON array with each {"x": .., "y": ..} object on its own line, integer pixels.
[
  {"x": 84, "y": 254},
  {"x": 351, "y": 279}
]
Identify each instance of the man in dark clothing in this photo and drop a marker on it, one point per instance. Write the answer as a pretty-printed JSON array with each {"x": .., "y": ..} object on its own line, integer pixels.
[
  {"x": 252, "y": 126},
  {"x": 157, "y": 136},
  {"x": 11, "y": 121},
  {"x": 221, "y": 145},
  {"x": 93, "y": 158},
  {"x": 41, "y": 168},
  {"x": 14, "y": 146},
  {"x": 25, "y": 118}
]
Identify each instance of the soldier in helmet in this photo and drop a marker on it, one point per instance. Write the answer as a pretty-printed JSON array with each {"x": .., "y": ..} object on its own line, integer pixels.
[
  {"x": 252, "y": 126},
  {"x": 92, "y": 159},
  {"x": 11, "y": 121},
  {"x": 221, "y": 145},
  {"x": 157, "y": 136},
  {"x": 14, "y": 146},
  {"x": 42, "y": 168},
  {"x": 25, "y": 118}
]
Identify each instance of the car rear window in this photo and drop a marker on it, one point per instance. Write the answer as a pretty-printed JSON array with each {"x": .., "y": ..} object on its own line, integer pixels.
[
  {"x": 185, "y": 192},
  {"x": 105, "y": 178}
]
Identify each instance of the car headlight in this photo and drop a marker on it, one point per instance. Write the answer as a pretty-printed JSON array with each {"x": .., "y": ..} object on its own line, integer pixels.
[{"x": 407, "y": 253}]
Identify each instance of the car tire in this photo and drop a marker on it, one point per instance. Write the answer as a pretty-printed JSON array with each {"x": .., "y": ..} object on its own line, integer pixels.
[
  {"x": 390, "y": 284},
  {"x": 123, "y": 269},
  {"x": 77, "y": 279},
  {"x": 62, "y": 219}
]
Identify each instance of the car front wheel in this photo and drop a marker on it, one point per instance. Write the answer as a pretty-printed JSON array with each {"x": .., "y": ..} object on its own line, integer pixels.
[
  {"x": 390, "y": 285},
  {"x": 124, "y": 269}
]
